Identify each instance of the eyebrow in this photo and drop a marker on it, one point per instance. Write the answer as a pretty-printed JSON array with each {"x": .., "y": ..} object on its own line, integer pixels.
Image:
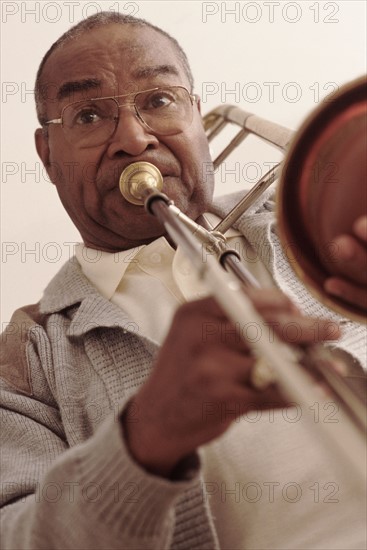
[
  {"x": 148, "y": 72},
  {"x": 69, "y": 88}
]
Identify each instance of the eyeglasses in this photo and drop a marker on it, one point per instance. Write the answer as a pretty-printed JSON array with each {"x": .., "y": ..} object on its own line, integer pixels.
[{"x": 165, "y": 111}]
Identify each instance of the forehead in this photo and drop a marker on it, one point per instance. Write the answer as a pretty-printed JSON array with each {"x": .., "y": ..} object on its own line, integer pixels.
[{"x": 112, "y": 60}]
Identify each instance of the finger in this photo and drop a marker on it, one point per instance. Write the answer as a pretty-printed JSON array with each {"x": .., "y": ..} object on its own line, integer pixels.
[
  {"x": 197, "y": 322},
  {"x": 249, "y": 399},
  {"x": 295, "y": 329},
  {"x": 350, "y": 259},
  {"x": 352, "y": 294},
  {"x": 221, "y": 367},
  {"x": 206, "y": 306},
  {"x": 222, "y": 332},
  {"x": 271, "y": 299},
  {"x": 360, "y": 228}
]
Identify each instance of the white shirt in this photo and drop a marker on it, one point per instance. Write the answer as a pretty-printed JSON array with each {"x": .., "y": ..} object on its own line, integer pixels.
[{"x": 138, "y": 279}]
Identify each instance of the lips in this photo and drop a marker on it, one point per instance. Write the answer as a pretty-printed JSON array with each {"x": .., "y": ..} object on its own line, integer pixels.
[{"x": 108, "y": 178}]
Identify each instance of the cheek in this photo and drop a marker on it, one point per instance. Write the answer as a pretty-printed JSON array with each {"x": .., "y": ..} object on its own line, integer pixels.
[
  {"x": 68, "y": 159},
  {"x": 71, "y": 169},
  {"x": 200, "y": 164},
  {"x": 67, "y": 176}
]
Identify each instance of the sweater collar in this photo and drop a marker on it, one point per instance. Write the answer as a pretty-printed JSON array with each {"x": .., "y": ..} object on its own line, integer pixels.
[{"x": 71, "y": 288}]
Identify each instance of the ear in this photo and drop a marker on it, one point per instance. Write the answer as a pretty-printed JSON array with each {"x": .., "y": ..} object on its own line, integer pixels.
[{"x": 43, "y": 150}]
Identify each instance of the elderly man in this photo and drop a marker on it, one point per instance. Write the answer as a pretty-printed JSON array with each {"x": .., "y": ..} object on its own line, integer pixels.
[{"x": 115, "y": 394}]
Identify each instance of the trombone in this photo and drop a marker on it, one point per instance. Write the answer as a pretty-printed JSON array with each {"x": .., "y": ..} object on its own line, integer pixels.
[{"x": 333, "y": 135}]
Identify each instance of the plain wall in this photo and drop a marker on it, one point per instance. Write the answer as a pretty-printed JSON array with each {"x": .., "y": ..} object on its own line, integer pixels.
[{"x": 276, "y": 59}]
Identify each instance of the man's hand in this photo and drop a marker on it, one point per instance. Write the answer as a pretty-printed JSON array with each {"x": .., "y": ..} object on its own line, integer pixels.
[
  {"x": 201, "y": 380},
  {"x": 351, "y": 264}
]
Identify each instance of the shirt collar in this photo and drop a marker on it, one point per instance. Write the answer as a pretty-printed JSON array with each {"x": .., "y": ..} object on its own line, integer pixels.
[
  {"x": 105, "y": 269},
  {"x": 70, "y": 286}
]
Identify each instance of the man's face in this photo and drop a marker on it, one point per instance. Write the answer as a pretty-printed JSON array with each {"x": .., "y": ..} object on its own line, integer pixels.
[{"x": 120, "y": 59}]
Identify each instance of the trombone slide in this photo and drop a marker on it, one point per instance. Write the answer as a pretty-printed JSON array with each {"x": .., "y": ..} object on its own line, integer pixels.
[{"x": 346, "y": 437}]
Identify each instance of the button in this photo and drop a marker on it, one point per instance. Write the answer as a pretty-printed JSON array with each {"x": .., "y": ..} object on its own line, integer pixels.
[
  {"x": 155, "y": 258},
  {"x": 185, "y": 270}
]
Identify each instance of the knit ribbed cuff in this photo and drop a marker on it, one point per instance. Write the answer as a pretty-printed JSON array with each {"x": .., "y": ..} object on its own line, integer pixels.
[{"x": 132, "y": 502}]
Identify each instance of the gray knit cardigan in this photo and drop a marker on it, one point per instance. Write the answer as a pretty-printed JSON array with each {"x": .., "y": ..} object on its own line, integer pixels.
[{"x": 69, "y": 364}]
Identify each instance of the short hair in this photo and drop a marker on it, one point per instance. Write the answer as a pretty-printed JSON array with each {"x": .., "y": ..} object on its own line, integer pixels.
[{"x": 94, "y": 21}]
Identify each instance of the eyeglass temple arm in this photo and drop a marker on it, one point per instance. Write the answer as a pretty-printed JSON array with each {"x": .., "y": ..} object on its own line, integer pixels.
[{"x": 53, "y": 121}]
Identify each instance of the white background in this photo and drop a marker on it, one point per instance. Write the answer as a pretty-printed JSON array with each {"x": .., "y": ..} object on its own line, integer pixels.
[{"x": 278, "y": 59}]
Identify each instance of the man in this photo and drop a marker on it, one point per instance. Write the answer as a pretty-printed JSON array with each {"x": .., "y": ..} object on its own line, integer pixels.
[{"x": 102, "y": 430}]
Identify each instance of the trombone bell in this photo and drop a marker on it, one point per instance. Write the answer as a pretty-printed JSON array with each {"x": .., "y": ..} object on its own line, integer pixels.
[
  {"x": 323, "y": 190},
  {"x": 323, "y": 183}
]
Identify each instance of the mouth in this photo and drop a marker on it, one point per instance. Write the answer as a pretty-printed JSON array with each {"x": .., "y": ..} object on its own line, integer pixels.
[
  {"x": 138, "y": 180},
  {"x": 111, "y": 178}
]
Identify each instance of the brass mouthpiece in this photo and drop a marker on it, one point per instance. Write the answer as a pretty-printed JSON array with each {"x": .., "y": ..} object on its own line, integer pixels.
[{"x": 138, "y": 180}]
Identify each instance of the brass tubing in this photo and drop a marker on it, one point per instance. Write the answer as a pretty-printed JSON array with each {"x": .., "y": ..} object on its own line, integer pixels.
[{"x": 295, "y": 381}]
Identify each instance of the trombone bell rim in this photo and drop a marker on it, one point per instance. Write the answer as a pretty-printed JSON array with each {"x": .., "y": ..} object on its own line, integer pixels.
[{"x": 332, "y": 137}]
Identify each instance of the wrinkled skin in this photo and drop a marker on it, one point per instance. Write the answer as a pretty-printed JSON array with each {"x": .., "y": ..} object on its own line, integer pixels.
[
  {"x": 189, "y": 371},
  {"x": 87, "y": 179}
]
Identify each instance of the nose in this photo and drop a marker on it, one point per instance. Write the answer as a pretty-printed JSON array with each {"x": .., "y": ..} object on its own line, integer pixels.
[{"x": 131, "y": 136}]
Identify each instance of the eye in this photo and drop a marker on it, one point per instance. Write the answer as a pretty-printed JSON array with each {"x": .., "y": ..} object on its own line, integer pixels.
[
  {"x": 90, "y": 113},
  {"x": 159, "y": 99},
  {"x": 88, "y": 116}
]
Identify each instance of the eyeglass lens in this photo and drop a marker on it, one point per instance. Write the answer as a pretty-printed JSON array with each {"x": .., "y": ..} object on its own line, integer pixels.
[{"x": 166, "y": 111}]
